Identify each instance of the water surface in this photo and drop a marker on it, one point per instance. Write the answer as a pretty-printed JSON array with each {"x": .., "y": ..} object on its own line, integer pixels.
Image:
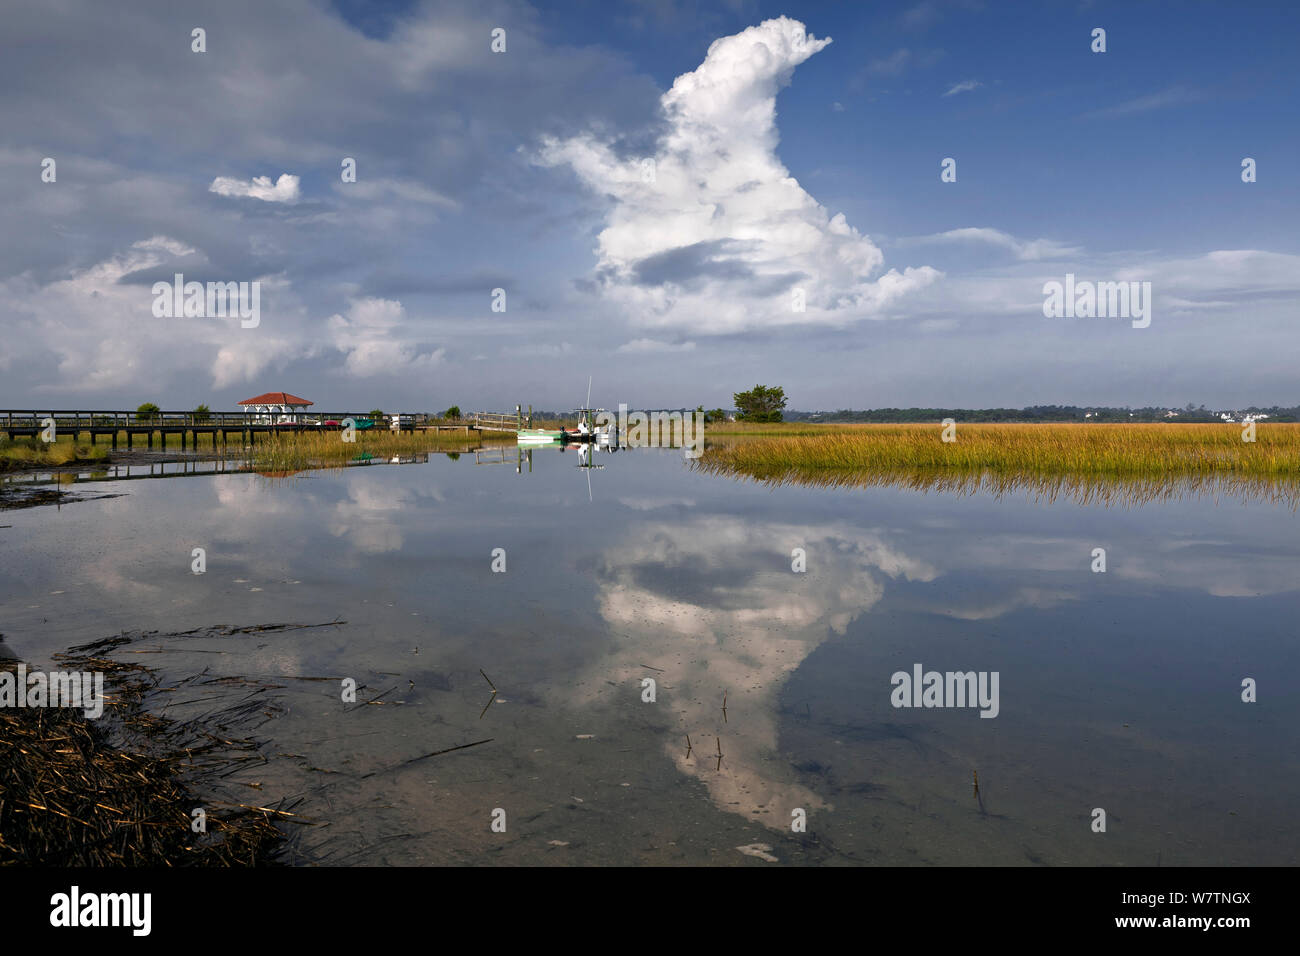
[{"x": 1118, "y": 690}]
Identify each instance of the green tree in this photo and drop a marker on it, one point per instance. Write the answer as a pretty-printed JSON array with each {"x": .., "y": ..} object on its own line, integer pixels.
[
  {"x": 202, "y": 413},
  {"x": 376, "y": 414},
  {"x": 452, "y": 414},
  {"x": 760, "y": 404},
  {"x": 147, "y": 412}
]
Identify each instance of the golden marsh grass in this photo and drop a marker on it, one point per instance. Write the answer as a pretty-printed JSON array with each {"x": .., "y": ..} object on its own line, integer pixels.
[
  {"x": 293, "y": 452},
  {"x": 1089, "y": 463},
  {"x": 34, "y": 453}
]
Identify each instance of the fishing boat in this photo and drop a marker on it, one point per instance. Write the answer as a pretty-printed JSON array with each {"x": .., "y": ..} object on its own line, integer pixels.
[
  {"x": 587, "y": 431},
  {"x": 541, "y": 436},
  {"x": 563, "y": 436}
]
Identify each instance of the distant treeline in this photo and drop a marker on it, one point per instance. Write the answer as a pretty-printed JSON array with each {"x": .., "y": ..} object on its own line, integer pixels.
[
  {"x": 1045, "y": 413},
  {"x": 1034, "y": 413}
]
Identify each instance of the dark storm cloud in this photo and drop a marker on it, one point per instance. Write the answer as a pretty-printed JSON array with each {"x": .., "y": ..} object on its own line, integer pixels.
[
  {"x": 140, "y": 126},
  {"x": 686, "y": 264}
]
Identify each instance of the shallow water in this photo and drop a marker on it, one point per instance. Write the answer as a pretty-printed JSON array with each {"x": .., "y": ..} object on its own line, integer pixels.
[{"x": 1118, "y": 690}]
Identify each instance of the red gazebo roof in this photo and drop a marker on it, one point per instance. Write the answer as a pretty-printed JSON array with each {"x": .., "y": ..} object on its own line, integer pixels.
[{"x": 275, "y": 398}]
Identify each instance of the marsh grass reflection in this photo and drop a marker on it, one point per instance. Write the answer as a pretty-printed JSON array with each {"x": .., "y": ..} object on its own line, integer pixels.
[{"x": 1124, "y": 465}]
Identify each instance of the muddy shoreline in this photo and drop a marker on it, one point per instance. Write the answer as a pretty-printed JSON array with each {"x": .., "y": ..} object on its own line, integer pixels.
[
  {"x": 133, "y": 456},
  {"x": 18, "y": 490},
  {"x": 133, "y": 787}
]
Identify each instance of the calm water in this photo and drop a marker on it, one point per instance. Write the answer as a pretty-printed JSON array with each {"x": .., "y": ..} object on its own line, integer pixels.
[{"x": 1118, "y": 690}]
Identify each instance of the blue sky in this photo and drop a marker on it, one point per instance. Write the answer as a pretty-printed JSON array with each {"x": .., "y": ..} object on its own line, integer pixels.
[{"x": 782, "y": 163}]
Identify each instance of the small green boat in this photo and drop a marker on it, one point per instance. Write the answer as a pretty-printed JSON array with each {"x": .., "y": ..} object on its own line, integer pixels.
[{"x": 540, "y": 436}]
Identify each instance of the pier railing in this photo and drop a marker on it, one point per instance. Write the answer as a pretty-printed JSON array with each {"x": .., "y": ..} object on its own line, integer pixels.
[
  {"x": 83, "y": 419},
  {"x": 32, "y": 422},
  {"x": 494, "y": 421}
]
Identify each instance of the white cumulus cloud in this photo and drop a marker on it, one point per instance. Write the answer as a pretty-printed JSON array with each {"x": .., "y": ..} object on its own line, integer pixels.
[
  {"x": 95, "y": 329},
  {"x": 712, "y": 233},
  {"x": 370, "y": 336},
  {"x": 284, "y": 189}
]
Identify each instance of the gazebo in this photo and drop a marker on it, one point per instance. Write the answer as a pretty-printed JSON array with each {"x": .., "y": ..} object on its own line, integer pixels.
[{"x": 274, "y": 403}]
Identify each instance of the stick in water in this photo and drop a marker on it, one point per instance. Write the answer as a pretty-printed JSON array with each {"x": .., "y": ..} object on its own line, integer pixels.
[{"x": 436, "y": 753}]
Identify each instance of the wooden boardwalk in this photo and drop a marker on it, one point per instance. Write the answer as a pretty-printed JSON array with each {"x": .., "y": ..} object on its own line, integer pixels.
[{"x": 244, "y": 427}]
